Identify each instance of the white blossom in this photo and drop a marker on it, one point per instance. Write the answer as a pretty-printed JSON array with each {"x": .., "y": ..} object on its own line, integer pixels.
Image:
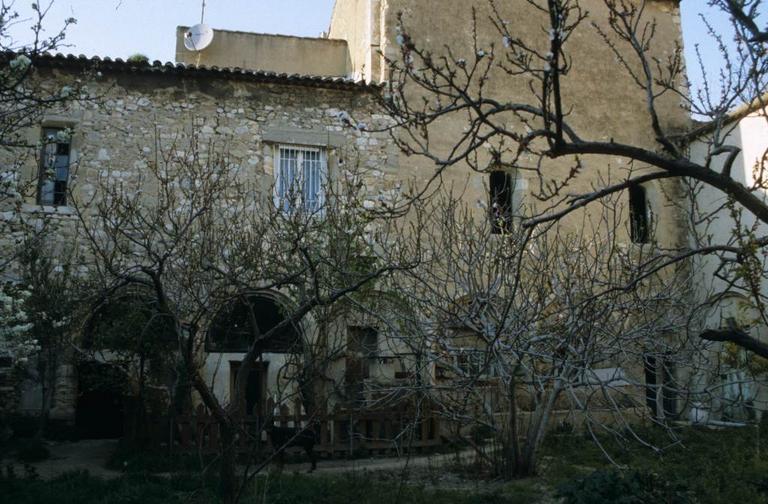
[{"x": 20, "y": 62}]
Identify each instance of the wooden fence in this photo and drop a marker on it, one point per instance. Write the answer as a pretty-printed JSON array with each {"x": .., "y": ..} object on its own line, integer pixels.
[{"x": 341, "y": 434}]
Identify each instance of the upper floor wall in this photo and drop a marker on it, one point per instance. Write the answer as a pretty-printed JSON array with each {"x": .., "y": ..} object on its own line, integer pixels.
[
  {"x": 603, "y": 101},
  {"x": 139, "y": 113},
  {"x": 714, "y": 221},
  {"x": 359, "y": 22},
  {"x": 271, "y": 53}
]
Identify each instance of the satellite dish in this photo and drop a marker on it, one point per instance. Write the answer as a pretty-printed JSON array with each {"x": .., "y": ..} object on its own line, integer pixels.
[{"x": 198, "y": 37}]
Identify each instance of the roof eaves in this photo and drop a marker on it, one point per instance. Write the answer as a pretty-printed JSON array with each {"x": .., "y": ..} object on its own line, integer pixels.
[{"x": 159, "y": 67}]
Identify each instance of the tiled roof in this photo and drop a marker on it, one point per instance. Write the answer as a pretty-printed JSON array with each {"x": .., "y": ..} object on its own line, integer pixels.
[{"x": 158, "y": 67}]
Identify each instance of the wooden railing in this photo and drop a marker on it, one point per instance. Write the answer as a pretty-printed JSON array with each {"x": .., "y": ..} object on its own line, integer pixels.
[{"x": 341, "y": 434}]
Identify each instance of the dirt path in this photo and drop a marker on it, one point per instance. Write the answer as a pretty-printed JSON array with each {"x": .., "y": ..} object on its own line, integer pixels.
[
  {"x": 92, "y": 456},
  {"x": 88, "y": 455},
  {"x": 379, "y": 464}
]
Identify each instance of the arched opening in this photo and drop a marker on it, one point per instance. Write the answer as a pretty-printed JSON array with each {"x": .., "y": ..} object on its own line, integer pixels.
[
  {"x": 232, "y": 331},
  {"x": 131, "y": 346},
  {"x": 129, "y": 322}
]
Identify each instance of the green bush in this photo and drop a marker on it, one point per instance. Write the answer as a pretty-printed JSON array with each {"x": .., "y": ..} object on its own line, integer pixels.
[
  {"x": 32, "y": 450},
  {"x": 138, "y": 59},
  {"x": 81, "y": 488},
  {"x": 129, "y": 459},
  {"x": 633, "y": 487}
]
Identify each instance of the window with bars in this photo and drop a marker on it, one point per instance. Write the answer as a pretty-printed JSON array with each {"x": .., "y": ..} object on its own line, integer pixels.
[
  {"x": 300, "y": 178},
  {"x": 54, "y": 167}
]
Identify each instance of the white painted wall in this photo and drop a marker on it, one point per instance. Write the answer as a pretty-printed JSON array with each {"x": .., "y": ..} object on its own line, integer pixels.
[
  {"x": 751, "y": 135},
  {"x": 217, "y": 373}
]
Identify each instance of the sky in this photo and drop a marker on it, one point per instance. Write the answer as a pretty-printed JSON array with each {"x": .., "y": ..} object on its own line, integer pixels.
[{"x": 120, "y": 28}]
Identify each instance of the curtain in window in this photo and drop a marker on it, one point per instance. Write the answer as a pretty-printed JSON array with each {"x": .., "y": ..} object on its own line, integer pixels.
[{"x": 300, "y": 177}]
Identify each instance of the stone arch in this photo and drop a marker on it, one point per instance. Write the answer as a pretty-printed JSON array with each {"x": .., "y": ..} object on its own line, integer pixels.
[
  {"x": 229, "y": 336},
  {"x": 126, "y": 321},
  {"x": 230, "y": 329}
]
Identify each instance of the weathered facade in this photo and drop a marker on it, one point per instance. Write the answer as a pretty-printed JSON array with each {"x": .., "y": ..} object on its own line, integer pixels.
[{"x": 297, "y": 93}]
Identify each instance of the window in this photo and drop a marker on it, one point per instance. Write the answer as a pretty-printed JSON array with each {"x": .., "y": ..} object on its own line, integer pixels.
[
  {"x": 466, "y": 364},
  {"x": 54, "y": 167},
  {"x": 300, "y": 176},
  {"x": 362, "y": 347},
  {"x": 475, "y": 363},
  {"x": 660, "y": 386},
  {"x": 638, "y": 214},
  {"x": 501, "y": 185}
]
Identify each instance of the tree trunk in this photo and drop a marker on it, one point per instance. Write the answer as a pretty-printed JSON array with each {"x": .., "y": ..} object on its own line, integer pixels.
[
  {"x": 228, "y": 487},
  {"x": 513, "y": 441},
  {"x": 536, "y": 433},
  {"x": 47, "y": 377},
  {"x": 227, "y": 471}
]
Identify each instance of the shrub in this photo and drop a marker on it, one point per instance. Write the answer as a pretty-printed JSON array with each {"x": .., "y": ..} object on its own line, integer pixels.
[
  {"x": 78, "y": 487},
  {"x": 138, "y": 59},
  {"x": 33, "y": 450},
  {"x": 633, "y": 487},
  {"x": 128, "y": 458}
]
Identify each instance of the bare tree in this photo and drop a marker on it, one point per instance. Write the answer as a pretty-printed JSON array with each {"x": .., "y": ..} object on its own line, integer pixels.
[
  {"x": 202, "y": 240},
  {"x": 27, "y": 262},
  {"x": 536, "y": 126},
  {"x": 24, "y": 99},
  {"x": 509, "y": 334}
]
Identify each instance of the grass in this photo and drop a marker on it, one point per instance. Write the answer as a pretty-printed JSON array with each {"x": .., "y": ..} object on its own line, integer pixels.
[
  {"x": 716, "y": 466},
  {"x": 132, "y": 460},
  {"x": 363, "y": 488},
  {"x": 81, "y": 488}
]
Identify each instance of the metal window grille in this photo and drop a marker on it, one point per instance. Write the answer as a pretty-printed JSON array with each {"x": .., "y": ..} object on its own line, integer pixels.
[{"x": 300, "y": 179}]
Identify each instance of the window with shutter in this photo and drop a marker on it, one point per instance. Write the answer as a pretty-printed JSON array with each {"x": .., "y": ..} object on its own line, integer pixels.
[{"x": 54, "y": 167}]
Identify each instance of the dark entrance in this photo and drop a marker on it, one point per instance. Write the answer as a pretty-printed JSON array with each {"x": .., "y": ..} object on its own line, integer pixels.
[
  {"x": 100, "y": 412},
  {"x": 255, "y": 387}
]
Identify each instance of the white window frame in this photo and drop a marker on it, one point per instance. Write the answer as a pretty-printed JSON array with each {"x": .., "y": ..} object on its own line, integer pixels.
[
  {"x": 318, "y": 176},
  {"x": 473, "y": 360}
]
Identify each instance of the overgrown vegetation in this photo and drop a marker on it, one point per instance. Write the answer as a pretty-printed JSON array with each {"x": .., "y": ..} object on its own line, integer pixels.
[
  {"x": 702, "y": 466},
  {"x": 715, "y": 466},
  {"x": 80, "y": 488},
  {"x": 614, "y": 487}
]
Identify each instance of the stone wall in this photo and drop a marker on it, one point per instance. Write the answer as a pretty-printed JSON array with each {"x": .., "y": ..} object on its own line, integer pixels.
[{"x": 131, "y": 118}]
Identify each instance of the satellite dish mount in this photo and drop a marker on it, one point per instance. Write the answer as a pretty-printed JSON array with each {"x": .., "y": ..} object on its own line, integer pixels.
[{"x": 199, "y": 36}]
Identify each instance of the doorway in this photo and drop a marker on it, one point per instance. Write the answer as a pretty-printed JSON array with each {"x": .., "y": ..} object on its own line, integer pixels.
[
  {"x": 100, "y": 412},
  {"x": 255, "y": 387}
]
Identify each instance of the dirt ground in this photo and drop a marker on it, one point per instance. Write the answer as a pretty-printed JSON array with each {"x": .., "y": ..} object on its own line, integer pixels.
[
  {"x": 88, "y": 455},
  {"x": 428, "y": 470},
  {"x": 92, "y": 456}
]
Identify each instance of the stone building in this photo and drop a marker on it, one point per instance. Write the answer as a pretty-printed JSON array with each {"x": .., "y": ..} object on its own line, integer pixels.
[{"x": 277, "y": 98}]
